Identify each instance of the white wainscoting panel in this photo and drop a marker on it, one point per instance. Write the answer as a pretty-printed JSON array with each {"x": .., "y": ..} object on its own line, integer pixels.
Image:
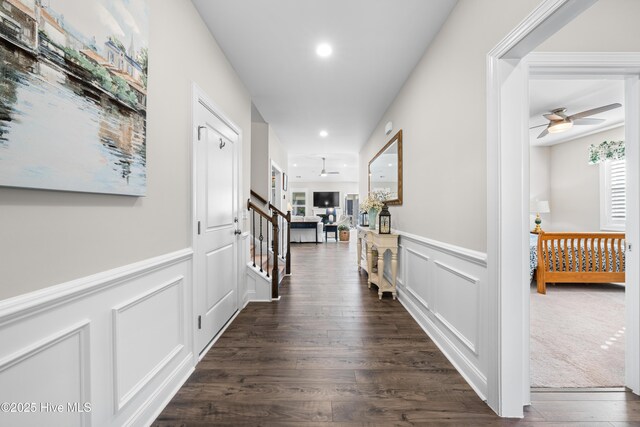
[
  {"x": 144, "y": 342},
  {"x": 443, "y": 288},
  {"x": 120, "y": 341},
  {"x": 65, "y": 358}
]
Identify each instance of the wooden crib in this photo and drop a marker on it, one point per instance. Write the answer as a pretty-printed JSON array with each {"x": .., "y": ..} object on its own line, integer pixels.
[{"x": 580, "y": 258}]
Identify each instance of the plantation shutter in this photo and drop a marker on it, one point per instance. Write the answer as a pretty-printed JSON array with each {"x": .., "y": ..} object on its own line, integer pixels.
[
  {"x": 613, "y": 195},
  {"x": 618, "y": 191}
]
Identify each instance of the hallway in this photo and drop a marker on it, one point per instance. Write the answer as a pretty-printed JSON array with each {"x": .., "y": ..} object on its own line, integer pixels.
[{"x": 331, "y": 352}]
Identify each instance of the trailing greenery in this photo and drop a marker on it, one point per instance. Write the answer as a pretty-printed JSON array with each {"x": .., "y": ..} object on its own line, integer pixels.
[{"x": 343, "y": 227}]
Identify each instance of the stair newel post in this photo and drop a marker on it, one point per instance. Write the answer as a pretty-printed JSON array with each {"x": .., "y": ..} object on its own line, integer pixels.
[
  {"x": 274, "y": 276},
  {"x": 288, "y": 260}
]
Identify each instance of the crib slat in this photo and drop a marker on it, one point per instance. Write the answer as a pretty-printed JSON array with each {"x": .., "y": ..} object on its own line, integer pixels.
[
  {"x": 579, "y": 254},
  {"x": 620, "y": 256},
  {"x": 606, "y": 253}
]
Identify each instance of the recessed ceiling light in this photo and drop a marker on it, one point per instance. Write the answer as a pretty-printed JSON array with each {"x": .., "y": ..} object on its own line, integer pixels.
[
  {"x": 390, "y": 164},
  {"x": 324, "y": 50},
  {"x": 324, "y": 133},
  {"x": 295, "y": 165},
  {"x": 345, "y": 165}
]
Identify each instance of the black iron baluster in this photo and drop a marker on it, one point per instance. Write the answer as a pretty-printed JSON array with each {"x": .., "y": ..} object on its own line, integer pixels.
[
  {"x": 268, "y": 244},
  {"x": 253, "y": 236},
  {"x": 261, "y": 239}
]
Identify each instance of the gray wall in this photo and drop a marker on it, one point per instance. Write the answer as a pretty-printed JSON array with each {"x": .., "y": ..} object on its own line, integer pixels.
[
  {"x": 442, "y": 111},
  {"x": 575, "y": 184},
  {"x": 260, "y": 167},
  {"x": 539, "y": 183},
  {"x": 47, "y": 238}
]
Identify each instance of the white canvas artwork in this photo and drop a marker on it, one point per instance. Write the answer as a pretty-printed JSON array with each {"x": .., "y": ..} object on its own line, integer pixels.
[{"x": 73, "y": 95}]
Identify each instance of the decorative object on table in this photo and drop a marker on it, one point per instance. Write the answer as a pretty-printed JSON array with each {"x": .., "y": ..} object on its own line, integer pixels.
[
  {"x": 538, "y": 207},
  {"x": 285, "y": 181},
  {"x": 384, "y": 220},
  {"x": 344, "y": 232},
  {"x": 73, "y": 105},
  {"x": 364, "y": 219},
  {"x": 372, "y": 204},
  {"x": 331, "y": 215},
  {"x": 606, "y": 150}
]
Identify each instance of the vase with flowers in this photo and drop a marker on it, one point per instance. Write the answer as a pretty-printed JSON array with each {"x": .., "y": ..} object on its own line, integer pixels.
[{"x": 372, "y": 204}]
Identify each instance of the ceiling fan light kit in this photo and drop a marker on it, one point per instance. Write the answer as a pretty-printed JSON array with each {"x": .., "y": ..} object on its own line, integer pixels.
[
  {"x": 560, "y": 122},
  {"x": 560, "y": 126},
  {"x": 324, "y": 172}
]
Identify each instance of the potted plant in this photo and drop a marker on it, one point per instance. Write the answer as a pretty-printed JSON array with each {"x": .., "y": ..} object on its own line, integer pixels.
[{"x": 343, "y": 229}]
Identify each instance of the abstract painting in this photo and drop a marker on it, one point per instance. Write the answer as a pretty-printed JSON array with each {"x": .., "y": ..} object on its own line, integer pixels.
[{"x": 73, "y": 94}]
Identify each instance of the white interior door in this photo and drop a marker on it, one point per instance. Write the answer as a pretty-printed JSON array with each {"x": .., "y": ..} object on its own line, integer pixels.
[{"x": 216, "y": 179}]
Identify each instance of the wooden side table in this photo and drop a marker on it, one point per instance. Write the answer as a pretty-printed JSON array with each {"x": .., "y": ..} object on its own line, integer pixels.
[{"x": 383, "y": 243}]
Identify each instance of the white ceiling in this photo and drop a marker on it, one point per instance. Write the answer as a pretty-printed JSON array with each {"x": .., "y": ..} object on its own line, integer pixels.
[
  {"x": 271, "y": 44},
  {"x": 307, "y": 167},
  {"x": 546, "y": 94}
]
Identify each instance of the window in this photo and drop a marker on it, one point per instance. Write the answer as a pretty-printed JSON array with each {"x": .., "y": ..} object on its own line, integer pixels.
[
  {"x": 298, "y": 202},
  {"x": 613, "y": 195}
]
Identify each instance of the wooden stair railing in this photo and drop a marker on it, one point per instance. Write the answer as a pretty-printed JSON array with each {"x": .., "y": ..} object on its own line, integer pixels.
[
  {"x": 259, "y": 197},
  {"x": 271, "y": 222},
  {"x": 285, "y": 235}
]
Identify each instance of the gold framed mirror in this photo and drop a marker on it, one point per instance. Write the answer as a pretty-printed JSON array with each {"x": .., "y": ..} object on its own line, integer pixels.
[{"x": 385, "y": 170}]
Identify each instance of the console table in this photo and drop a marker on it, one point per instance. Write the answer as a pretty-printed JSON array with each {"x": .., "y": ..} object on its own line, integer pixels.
[{"x": 370, "y": 239}]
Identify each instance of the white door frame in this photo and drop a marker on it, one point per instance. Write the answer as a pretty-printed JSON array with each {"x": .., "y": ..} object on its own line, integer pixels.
[
  {"x": 279, "y": 191},
  {"x": 199, "y": 96},
  {"x": 508, "y": 191}
]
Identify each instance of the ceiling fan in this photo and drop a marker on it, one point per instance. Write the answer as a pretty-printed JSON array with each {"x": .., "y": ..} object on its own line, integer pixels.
[
  {"x": 560, "y": 122},
  {"x": 324, "y": 171}
]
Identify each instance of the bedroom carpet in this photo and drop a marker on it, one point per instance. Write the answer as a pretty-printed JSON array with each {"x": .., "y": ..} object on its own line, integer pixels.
[{"x": 577, "y": 336}]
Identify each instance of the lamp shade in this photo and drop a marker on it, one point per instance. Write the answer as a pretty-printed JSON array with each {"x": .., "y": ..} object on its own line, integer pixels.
[{"x": 539, "y": 206}]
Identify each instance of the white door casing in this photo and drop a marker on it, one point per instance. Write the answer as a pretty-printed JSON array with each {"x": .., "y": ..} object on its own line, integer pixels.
[
  {"x": 216, "y": 178},
  {"x": 508, "y": 171}
]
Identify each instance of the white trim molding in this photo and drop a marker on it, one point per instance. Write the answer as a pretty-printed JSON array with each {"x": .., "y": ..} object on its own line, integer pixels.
[{"x": 509, "y": 65}]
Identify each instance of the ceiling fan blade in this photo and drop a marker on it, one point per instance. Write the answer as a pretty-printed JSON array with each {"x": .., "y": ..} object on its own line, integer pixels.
[
  {"x": 552, "y": 116},
  {"x": 588, "y": 121},
  {"x": 595, "y": 111},
  {"x": 544, "y": 133},
  {"x": 539, "y": 126}
]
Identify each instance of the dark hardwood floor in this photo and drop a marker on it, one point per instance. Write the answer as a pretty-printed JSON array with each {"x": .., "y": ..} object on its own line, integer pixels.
[{"x": 329, "y": 352}]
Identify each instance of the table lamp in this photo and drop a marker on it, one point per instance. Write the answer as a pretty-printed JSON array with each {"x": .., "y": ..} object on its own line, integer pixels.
[
  {"x": 331, "y": 214},
  {"x": 538, "y": 207}
]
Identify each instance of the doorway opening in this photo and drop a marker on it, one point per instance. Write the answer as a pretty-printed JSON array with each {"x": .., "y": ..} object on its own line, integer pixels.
[
  {"x": 351, "y": 208},
  {"x": 508, "y": 68},
  {"x": 577, "y": 328}
]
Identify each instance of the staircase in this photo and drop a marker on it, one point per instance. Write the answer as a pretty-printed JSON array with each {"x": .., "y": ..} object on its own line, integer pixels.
[{"x": 270, "y": 255}]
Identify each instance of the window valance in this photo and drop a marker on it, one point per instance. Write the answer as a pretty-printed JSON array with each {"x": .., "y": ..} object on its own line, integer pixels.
[{"x": 606, "y": 150}]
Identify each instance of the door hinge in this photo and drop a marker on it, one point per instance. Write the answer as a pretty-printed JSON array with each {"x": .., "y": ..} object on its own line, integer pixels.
[
  {"x": 199, "y": 322},
  {"x": 199, "y": 129},
  {"x": 198, "y": 227},
  {"x": 629, "y": 247}
]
